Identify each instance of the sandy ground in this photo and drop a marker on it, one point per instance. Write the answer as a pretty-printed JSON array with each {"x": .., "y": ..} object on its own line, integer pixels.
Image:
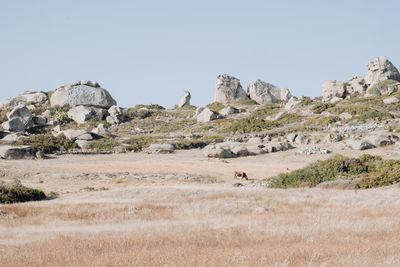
[{"x": 180, "y": 209}]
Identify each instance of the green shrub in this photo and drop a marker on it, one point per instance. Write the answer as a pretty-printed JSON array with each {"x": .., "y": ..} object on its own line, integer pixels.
[
  {"x": 216, "y": 106},
  {"x": 104, "y": 145},
  {"x": 257, "y": 124},
  {"x": 15, "y": 192},
  {"x": 320, "y": 171},
  {"x": 151, "y": 106},
  {"x": 323, "y": 121},
  {"x": 362, "y": 112},
  {"x": 245, "y": 101},
  {"x": 60, "y": 113},
  {"x": 189, "y": 144},
  {"x": 48, "y": 143},
  {"x": 321, "y": 107},
  {"x": 372, "y": 170},
  {"x": 138, "y": 143}
]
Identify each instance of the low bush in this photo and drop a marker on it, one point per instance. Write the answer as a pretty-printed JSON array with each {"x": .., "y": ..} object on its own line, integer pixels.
[
  {"x": 321, "y": 107},
  {"x": 216, "y": 106},
  {"x": 323, "y": 121},
  {"x": 48, "y": 143},
  {"x": 104, "y": 144},
  {"x": 373, "y": 171},
  {"x": 15, "y": 192},
  {"x": 245, "y": 101},
  {"x": 138, "y": 143}
]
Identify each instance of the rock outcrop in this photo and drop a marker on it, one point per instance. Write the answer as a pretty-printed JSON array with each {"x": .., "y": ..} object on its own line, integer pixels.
[
  {"x": 85, "y": 93},
  {"x": 19, "y": 119},
  {"x": 356, "y": 86},
  {"x": 228, "y": 89},
  {"x": 263, "y": 92},
  {"x": 185, "y": 100},
  {"x": 333, "y": 89},
  {"x": 115, "y": 116},
  {"x": 381, "y": 69},
  {"x": 80, "y": 114},
  {"x": 35, "y": 98}
]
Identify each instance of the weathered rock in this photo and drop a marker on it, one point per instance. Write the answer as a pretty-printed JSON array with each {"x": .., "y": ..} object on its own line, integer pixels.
[
  {"x": 212, "y": 151},
  {"x": 23, "y": 113},
  {"x": 14, "y": 125},
  {"x": 345, "y": 116},
  {"x": 17, "y": 152},
  {"x": 339, "y": 184},
  {"x": 46, "y": 114},
  {"x": 312, "y": 150},
  {"x": 33, "y": 97},
  {"x": 84, "y": 144},
  {"x": 291, "y": 137},
  {"x": 72, "y": 134},
  {"x": 185, "y": 100},
  {"x": 80, "y": 114},
  {"x": 391, "y": 100},
  {"x": 356, "y": 86},
  {"x": 116, "y": 115},
  {"x": 84, "y": 93},
  {"x": 381, "y": 69},
  {"x": 380, "y": 140},
  {"x": 331, "y": 89},
  {"x": 240, "y": 150},
  {"x": 293, "y": 104},
  {"x": 86, "y": 136},
  {"x": 285, "y": 95},
  {"x": 255, "y": 150},
  {"x": 228, "y": 89},
  {"x": 255, "y": 141},
  {"x": 206, "y": 115},
  {"x": 384, "y": 87},
  {"x": 12, "y": 137},
  {"x": 301, "y": 139},
  {"x": 101, "y": 129},
  {"x": 359, "y": 144},
  {"x": 228, "y": 111},
  {"x": 160, "y": 149},
  {"x": 39, "y": 120},
  {"x": 36, "y": 98},
  {"x": 264, "y": 93},
  {"x": 332, "y": 138},
  {"x": 198, "y": 111}
]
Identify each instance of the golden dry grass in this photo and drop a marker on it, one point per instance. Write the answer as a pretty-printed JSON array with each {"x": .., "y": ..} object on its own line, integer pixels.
[{"x": 197, "y": 225}]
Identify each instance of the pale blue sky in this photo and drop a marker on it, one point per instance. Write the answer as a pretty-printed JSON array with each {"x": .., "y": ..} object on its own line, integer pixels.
[{"x": 151, "y": 51}]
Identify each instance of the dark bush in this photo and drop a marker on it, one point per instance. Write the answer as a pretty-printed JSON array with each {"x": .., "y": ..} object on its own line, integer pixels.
[{"x": 15, "y": 192}]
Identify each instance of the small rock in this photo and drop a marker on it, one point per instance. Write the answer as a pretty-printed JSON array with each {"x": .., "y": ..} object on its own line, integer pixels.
[
  {"x": 101, "y": 129},
  {"x": 14, "y": 125},
  {"x": 160, "y": 149},
  {"x": 185, "y": 100},
  {"x": 391, "y": 100},
  {"x": 80, "y": 114},
  {"x": 312, "y": 150},
  {"x": 207, "y": 115},
  {"x": 83, "y": 144},
  {"x": 228, "y": 111},
  {"x": 359, "y": 144}
]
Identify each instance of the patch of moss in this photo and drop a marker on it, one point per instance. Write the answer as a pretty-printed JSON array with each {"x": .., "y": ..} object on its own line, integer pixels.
[{"x": 15, "y": 192}]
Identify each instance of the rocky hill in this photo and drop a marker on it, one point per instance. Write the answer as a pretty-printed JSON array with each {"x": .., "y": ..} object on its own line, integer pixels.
[{"x": 358, "y": 114}]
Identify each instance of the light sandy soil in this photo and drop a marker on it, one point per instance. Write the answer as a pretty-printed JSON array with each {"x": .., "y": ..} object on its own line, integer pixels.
[{"x": 181, "y": 210}]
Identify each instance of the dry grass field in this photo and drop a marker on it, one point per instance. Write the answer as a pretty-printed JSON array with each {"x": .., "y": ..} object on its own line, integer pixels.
[{"x": 148, "y": 223}]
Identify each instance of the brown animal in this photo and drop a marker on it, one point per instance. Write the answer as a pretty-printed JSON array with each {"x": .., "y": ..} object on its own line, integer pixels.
[{"x": 241, "y": 174}]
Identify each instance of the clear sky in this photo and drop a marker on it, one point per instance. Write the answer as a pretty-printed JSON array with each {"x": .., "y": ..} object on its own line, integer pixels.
[{"x": 147, "y": 52}]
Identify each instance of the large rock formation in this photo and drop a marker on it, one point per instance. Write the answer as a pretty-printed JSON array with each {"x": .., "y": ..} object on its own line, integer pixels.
[
  {"x": 356, "y": 86},
  {"x": 36, "y": 98},
  {"x": 228, "y": 89},
  {"x": 19, "y": 119},
  {"x": 333, "y": 89},
  {"x": 263, "y": 92},
  {"x": 185, "y": 100},
  {"x": 84, "y": 93},
  {"x": 381, "y": 69}
]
